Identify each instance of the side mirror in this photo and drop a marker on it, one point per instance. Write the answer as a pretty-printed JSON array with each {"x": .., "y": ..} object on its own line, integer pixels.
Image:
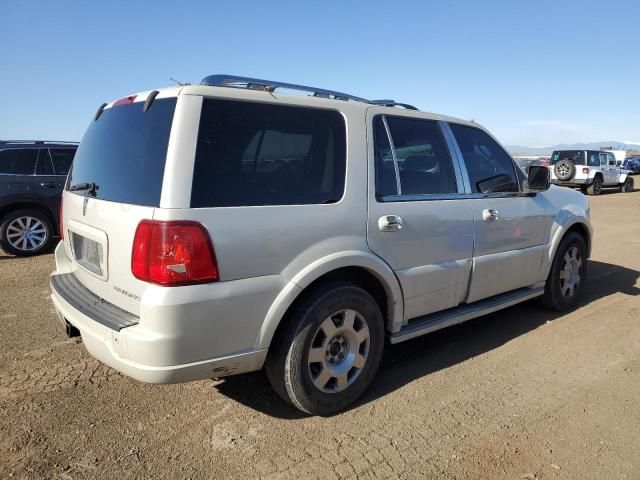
[{"x": 538, "y": 179}]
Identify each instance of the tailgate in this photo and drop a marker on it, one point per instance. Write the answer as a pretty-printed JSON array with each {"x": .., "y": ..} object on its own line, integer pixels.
[{"x": 98, "y": 240}]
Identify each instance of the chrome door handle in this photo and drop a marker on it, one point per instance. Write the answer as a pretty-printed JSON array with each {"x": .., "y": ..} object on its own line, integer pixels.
[
  {"x": 490, "y": 215},
  {"x": 390, "y": 223}
]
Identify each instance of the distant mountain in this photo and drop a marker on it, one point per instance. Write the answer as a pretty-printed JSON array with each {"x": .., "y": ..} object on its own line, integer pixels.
[{"x": 515, "y": 149}]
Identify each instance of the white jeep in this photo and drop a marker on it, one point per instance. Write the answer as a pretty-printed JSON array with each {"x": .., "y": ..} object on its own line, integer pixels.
[{"x": 591, "y": 170}]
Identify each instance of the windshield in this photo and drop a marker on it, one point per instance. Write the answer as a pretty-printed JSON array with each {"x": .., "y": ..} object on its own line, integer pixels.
[{"x": 122, "y": 155}]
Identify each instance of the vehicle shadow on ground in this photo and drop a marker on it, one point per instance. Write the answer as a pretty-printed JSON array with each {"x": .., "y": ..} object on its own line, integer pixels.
[{"x": 416, "y": 358}]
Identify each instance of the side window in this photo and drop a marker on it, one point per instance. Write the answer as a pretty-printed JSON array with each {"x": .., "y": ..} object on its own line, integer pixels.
[
  {"x": 593, "y": 159},
  {"x": 424, "y": 164},
  {"x": 18, "y": 161},
  {"x": 385, "y": 168},
  {"x": 262, "y": 154},
  {"x": 603, "y": 159},
  {"x": 490, "y": 168},
  {"x": 44, "y": 166},
  {"x": 612, "y": 160},
  {"x": 62, "y": 158}
]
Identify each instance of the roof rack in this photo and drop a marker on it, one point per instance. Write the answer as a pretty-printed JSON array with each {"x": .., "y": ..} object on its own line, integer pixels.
[
  {"x": 270, "y": 86},
  {"x": 39, "y": 142}
]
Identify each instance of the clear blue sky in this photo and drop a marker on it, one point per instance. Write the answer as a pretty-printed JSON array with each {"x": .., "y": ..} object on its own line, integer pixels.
[{"x": 534, "y": 72}]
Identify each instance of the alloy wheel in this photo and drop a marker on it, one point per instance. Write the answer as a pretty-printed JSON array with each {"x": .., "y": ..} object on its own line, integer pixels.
[
  {"x": 570, "y": 277},
  {"x": 339, "y": 351},
  {"x": 26, "y": 233}
]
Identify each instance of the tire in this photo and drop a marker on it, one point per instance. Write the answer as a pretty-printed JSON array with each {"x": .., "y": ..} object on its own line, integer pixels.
[
  {"x": 596, "y": 187},
  {"x": 13, "y": 226},
  {"x": 564, "y": 170},
  {"x": 318, "y": 363},
  {"x": 627, "y": 186},
  {"x": 562, "y": 289}
]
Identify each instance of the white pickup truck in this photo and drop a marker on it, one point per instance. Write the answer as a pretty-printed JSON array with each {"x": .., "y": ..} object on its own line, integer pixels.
[{"x": 591, "y": 170}]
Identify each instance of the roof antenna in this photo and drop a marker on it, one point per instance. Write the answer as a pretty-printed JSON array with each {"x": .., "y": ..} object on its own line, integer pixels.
[{"x": 177, "y": 82}]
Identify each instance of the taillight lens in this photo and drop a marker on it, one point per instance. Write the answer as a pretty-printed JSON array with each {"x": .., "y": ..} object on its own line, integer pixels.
[
  {"x": 585, "y": 170},
  {"x": 60, "y": 224},
  {"x": 173, "y": 253}
]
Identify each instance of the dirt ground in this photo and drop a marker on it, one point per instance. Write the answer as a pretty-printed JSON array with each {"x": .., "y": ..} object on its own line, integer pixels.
[{"x": 522, "y": 393}]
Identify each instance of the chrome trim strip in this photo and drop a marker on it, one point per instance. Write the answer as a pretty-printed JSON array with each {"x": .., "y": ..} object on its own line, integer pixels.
[
  {"x": 393, "y": 154},
  {"x": 451, "y": 139},
  {"x": 453, "y": 153}
]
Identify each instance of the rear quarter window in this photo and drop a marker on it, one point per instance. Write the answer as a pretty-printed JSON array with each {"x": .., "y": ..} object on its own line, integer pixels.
[
  {"x": 16, "y": 161},
  {"x": 263, "y": 154}
]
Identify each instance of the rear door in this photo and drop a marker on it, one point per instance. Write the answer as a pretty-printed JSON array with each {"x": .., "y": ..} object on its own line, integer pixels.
[
  {"x": 419, "y": 221},
  {"x": 510, "y": 227},
  {"x": 47, "y": 184},
  {"x": 115, "y": 181}
]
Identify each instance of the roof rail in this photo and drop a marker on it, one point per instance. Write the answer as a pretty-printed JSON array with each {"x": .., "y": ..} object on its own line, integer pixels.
[
  {"x": 222, "y": 80},
  {"x": 392, "y": 103},
  {"x": 39, "y": 142}
]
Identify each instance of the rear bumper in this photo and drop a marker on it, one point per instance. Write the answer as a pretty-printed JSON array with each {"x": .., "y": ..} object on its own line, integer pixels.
[
  {"x": 574, "y": 182},
  {"x": 116, "y": 349}
]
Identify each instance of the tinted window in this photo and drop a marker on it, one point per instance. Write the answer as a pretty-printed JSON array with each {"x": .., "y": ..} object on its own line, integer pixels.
[
  {"x": 124, "y": 153},
  {"x": 490, "y": 168},
  {"x": 44, "y": 166},
  {"x": 593, "y": 159},
  {"x": 424, "y": 163},
  {"x": 62, "y": 158},
  {"x": 576, "y": 156},
  {"x": 260, "y": 154},
  {"x": 18, "y": 161},
  {"x": 385, "y": 168}
]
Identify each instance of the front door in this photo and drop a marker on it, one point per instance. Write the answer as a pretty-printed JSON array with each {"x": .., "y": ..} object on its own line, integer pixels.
[
  {"x": 510, "y": 227},
  {"x": 419, "y": 221}
]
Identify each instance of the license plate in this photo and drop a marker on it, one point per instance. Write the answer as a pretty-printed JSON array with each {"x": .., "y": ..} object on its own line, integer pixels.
[{"x": 88, "y": 253}]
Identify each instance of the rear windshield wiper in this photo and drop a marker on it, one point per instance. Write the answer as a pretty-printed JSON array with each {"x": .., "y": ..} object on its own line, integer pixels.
[{"x": 79, "y": 187}]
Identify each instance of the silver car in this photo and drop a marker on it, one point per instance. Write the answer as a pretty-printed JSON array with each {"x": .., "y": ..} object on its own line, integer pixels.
[{"x": 221, "y": 228}]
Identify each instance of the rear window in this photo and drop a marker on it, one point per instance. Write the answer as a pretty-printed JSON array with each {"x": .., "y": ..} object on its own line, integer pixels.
[
  {"x": 123, "y": 153},
  {"x": 18, "y": 161},
  {"x": 261, "y": 154},
  {"x": 576, "y": 156}
]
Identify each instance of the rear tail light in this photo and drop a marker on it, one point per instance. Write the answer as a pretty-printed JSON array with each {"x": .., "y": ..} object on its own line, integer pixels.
[
  {"x": 60, "y": 223},
  {"x": 173, "y": 253},
  {"x": 585, "y": 170}
]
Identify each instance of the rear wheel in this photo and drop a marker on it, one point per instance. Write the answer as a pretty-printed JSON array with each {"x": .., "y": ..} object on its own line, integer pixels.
[
  {"x": 568, "y": 274},
  {"x": 25, "y": 232},
  {"x": 596, "y": 187},
  {"x": 330, "y": 350}
]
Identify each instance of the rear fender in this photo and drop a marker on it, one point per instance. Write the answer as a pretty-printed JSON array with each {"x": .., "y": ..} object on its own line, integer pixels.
[{"x": 322, "y": 266}]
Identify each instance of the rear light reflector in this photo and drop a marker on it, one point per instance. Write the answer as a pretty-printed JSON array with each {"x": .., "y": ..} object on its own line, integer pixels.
[
  {"x": 173, "y": 253},
  {"x": 60, "y": 223},
  {"x": 585, "y": 170}
]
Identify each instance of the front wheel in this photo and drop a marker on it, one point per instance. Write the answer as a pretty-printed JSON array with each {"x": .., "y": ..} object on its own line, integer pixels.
[
  {"x": 627, "y": 186},
  {"x": 568, "y": 274},
  {"x": 329, "y": 351}
]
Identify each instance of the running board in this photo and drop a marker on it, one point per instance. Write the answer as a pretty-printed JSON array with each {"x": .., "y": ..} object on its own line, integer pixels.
[{"x": 436, "y": 321}]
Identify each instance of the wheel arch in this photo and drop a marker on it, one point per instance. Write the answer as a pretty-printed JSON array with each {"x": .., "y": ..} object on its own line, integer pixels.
[
  {"x": 23, "y": 205},
  {"x": 365, "y": 270}
]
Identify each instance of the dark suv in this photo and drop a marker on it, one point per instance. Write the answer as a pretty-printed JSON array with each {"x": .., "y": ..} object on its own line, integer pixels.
[{"x": 32, "y": 176}]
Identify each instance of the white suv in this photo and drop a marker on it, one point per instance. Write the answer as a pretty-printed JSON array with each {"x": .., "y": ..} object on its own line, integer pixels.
[
  {"x": 591, "y": 170},
  {"x": 215, "y": 229}
]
